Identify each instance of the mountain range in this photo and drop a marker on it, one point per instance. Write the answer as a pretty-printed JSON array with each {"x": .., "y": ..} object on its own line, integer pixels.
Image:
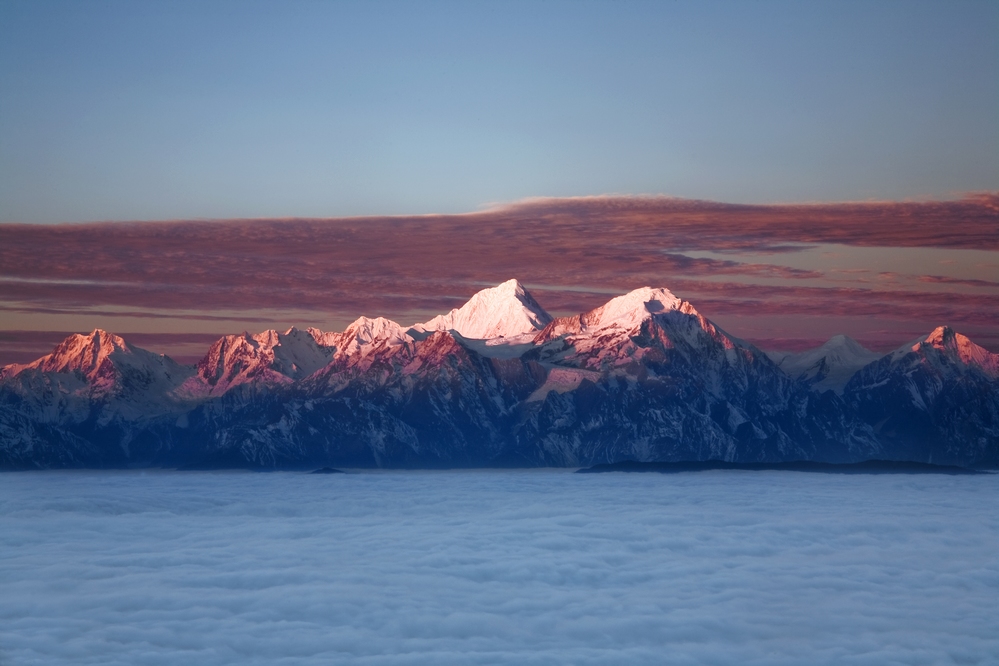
[{"x": 500, "y": 382}]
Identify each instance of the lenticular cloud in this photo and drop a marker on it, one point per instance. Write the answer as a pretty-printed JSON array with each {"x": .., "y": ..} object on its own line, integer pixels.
[{"x": 520, "y": 567}]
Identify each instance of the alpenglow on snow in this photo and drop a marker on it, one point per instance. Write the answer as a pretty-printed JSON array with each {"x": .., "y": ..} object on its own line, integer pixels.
[{"x": 499, "y": 381}]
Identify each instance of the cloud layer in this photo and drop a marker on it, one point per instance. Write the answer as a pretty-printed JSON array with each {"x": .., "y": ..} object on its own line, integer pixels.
[
  {"x": 519, "y": 567},
  {"x": 573, "y": 253}
]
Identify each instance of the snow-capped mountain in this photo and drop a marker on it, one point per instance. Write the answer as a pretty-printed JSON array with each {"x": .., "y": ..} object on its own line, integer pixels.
[
  {"x": 643, "y": 377},
  {"x": 97, "y": 371},
  {"x": 504, "y": 311},
  {"x": 955, "y": 353},
  {"x": 608, "y": 336},
  {"x": 100, "y": 360},
  {"x": 89, "y": 403},
  {"x": 827, "y": 367},
  {"x": 364, "y": 337},
  {"x": 936, "y": 398},
  {"x": 623, "y": 313},
  {"x": 268, "y": 358},
  {"x": 943, "y": 355},
  {"x": 647, "y": 377},
  {"x": 497, "y": 382}
]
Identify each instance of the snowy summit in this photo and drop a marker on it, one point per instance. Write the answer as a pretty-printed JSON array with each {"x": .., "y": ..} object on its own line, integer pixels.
[
  {"x": 504, "y": 311},
  {"x": 828, "y": 367},
  {"x": 631, "y": 309}
]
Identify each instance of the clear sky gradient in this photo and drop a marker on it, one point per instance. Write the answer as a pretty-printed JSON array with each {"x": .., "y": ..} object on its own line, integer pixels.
[{"x": 128, "y": 110}]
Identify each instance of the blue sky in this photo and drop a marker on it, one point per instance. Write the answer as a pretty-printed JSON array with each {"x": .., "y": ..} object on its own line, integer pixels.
[{"x": 112, "y": 111}]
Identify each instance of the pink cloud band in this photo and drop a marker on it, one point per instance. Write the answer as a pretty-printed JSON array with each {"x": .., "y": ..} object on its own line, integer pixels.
[{"x": 572, "y": 252}]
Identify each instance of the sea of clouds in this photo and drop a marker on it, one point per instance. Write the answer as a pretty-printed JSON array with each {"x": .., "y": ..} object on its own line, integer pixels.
[{"x": 518, "y": 567}]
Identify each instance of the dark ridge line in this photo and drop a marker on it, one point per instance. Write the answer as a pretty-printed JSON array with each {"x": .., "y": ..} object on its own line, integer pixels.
[{"x": 865, "y": 467}]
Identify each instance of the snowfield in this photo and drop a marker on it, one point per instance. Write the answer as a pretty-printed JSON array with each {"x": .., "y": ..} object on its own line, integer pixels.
[{"x": 514, "y": 567}]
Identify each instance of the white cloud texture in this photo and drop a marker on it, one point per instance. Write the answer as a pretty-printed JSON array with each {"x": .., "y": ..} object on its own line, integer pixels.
[{"x": 519, "y": 567}]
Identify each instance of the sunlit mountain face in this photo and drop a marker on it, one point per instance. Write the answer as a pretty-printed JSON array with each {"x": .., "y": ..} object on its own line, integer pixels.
[
  {"x": 499, "y": 381},
  {"x": 787, "y": 278}
]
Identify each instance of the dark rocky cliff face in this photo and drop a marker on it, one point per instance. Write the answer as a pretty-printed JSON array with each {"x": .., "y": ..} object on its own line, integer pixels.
[{"x": 933, "y": 401}]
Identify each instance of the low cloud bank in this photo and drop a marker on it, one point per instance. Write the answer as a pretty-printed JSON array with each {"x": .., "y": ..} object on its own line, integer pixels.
[{"x": 520, "y": 567}]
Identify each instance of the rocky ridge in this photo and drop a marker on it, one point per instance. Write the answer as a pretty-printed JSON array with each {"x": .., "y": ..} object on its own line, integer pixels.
[{"x": 498, "y": 381}]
